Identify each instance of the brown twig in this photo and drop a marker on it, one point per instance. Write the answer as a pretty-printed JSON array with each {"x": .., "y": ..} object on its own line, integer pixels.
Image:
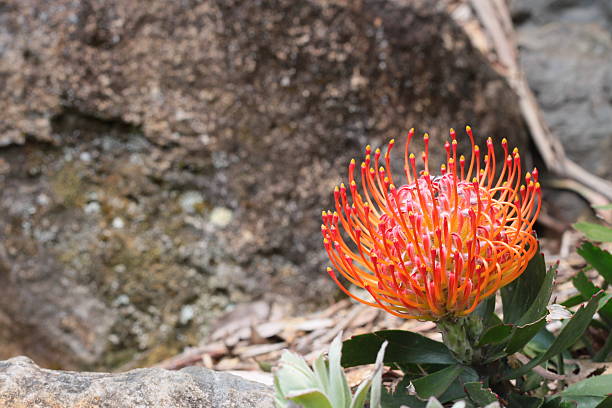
[
  {"x": 549, "y": 375},
  {"x": 192, "y": 356}
]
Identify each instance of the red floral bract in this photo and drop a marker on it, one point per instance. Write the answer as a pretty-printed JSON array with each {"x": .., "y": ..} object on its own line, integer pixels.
[{"x": 438, "y": 245}]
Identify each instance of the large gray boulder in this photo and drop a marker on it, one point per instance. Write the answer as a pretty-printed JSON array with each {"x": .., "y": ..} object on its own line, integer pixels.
[
  {"x": 566, "y": 52},
  {"x": 167, "y": 161},
  {"x": 24, "y": 384}
]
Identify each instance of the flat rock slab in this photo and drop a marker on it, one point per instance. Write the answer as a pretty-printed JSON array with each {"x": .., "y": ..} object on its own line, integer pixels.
[{"x": 24, "y": 384}]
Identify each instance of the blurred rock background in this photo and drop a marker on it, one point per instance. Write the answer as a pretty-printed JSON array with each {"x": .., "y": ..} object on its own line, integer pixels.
[
  {"x": 162, "y": 164},
  {"x": 566, "y": 52}
]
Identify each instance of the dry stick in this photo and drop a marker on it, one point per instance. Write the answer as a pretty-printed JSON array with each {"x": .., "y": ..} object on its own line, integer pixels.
[
  {"x": 343, "y": 324},
  {"x": 496, "y": 21},
  {"x": 192, "y": 356},
  {"x": 549, "y": 375}
]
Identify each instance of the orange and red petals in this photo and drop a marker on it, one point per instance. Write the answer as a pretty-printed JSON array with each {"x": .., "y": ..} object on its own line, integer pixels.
[{"x": 437, "y": 245}]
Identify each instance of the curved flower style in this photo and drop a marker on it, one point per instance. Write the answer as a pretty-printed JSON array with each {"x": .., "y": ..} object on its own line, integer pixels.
[{"x": 438, "y": 245}]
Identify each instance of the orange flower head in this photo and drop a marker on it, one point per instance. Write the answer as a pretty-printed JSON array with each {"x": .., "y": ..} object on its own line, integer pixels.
[{"x": 438, "y": 245}]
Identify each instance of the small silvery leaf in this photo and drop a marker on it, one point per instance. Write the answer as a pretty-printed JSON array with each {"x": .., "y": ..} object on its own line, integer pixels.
[
  {"x": 433, "y": 403},
  {"x": 339, "y": 390},
  {"x": 375, "y": 393},
  {"x": 557, "y": 312},
  {"x": 325, "y": 385}
]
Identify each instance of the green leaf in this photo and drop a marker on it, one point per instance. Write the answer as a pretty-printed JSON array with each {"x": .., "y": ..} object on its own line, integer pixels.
[
  {"x": 584, "y": 285},
  {"x": 531, "y": 381},
  {"x": 595, "y": 232},
  {"x": 486, "y": 311},
  {"x": 404, "y": 347},
  {"x": 588, "y": 289},
  {"x": 603, "y": 302},
  {"x": 434, "y": 403},
  {"x": 523, "y": 334},
  {"x": 604, "y": 351},
  {"x": 279, "y": 396},
  {"x": 603, "y": 207},
  {"x": 375, "y": 394},
  {"x": 567, "y": 337},
  {"x": 310, "y": 398},
  {"x": 456, "y": 389},
  {"x": 520, "y": 294},
  {"x": 541, "y": 342},
  {"x": 537, "y": 309},
  {"x": 293, "y": 374},
  {"x": 558, "y": 402},
  {"x": 523, "y": 401},
  {"x": 496, "y": 334},
  {"x": 583, "y": 402},
  {"x": 434, "y": 385},
  {"x": 340, "y": 392},
  {"x": 599, "y": 258},
  {"x": 400, "y": 399},
  {"x": 479, "y": 395},
  {"x": 361, "y": 393},
  {"x": 573, "y": 301},
  {"x": 599, "y": 386},
  {"x": 606, "y": 403},
  {"x": 321, "y": 371},
  {"x": 552, "y": 402}
]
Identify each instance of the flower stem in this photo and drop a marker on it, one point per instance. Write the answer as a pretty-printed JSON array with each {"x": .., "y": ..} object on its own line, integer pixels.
[{"x": 460, "y": 335}]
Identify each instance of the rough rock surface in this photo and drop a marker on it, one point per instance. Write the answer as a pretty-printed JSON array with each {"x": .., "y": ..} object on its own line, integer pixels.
[
  {"x": 566, "y": 52},
  {"x": 164, "y": 163},
  {"x": 24, "y": 384}
]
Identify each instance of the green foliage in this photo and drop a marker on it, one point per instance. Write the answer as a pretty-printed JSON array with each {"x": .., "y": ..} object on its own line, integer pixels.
[
  {"x": 404, "y": 348},
  {"x": 601, "y": 261},
  {"x": 532, "y": 286},
  {"x": 595, "y": 232},
  {"x": 434, "y": 385},
  {"x": 566, "y": 338},
  {"x": 432, "y": 370},
  {"x": 325, "y": 385},
  {"x": 591, "y": 387},
  {"x": 480, "y": 395},
  {"x": 477, "y": 364},
  {"x": 598, "y": 258}
]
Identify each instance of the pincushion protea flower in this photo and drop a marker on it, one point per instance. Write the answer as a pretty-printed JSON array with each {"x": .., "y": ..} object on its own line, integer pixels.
[{"x": 436, "y": 246}]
